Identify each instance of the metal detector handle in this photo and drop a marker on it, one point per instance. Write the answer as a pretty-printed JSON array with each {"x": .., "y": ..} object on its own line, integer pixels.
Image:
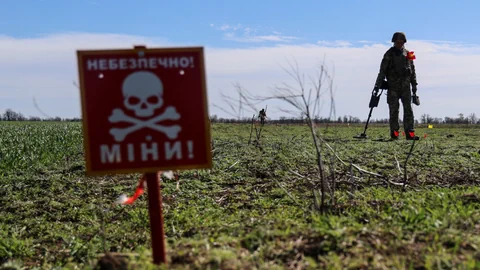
[
  {"x": 375, "y": 91},
  {"x": 375, "y": 98}
]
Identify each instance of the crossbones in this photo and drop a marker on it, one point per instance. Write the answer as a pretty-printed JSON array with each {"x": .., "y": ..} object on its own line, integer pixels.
[{"x": 120, "y": 133}]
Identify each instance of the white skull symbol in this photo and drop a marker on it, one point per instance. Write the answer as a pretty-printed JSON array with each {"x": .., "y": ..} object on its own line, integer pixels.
[{"x": 142, "y": 92}]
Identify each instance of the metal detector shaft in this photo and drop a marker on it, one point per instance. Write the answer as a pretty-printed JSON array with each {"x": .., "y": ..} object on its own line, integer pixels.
[
  {"x": 368, "y": 120},
  {"x": 373, "y": 103}
]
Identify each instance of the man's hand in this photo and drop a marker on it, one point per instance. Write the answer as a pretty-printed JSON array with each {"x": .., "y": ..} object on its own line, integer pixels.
[{"x": 415, "y": 98}]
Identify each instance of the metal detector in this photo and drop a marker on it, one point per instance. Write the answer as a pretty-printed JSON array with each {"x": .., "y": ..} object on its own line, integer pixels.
[{"x": 373, "y": 103}]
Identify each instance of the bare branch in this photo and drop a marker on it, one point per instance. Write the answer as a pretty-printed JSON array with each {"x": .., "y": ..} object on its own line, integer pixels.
[
  {"x": 226, "y": 111},
  {"x": 38, "y": 108},
  {"x": 302, "y": 101},
  {"x": 244, "y": 101}
]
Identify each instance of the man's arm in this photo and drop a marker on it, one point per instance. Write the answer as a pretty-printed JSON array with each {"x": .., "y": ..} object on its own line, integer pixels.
[
  {"x": 413, "y": 78},
  {"x": 383, "y": 69}
]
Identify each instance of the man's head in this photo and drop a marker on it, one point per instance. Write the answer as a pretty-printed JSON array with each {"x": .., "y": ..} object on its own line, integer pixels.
[{"x": 399, "y": 39}]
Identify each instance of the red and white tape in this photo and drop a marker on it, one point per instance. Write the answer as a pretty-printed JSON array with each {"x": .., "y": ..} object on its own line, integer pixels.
[{"x": 124, "y": 199}]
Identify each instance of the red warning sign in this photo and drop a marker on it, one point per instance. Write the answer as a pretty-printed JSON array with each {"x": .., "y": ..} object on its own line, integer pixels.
[{"x": 144, "y": 110}]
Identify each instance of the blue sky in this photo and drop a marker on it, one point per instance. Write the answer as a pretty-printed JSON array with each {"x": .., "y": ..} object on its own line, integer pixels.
[
  {"x": 231, "y": 28},
  {"x": 189, "y": 21}
]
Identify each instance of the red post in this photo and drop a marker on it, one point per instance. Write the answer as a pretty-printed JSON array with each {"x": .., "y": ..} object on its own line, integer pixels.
[{"x": 156, "y": 218}]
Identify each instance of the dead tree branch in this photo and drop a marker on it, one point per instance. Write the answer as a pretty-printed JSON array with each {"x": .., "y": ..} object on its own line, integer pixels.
[
  {"x": 306, "y": 100},
  {"x": 237, "y": 106}
]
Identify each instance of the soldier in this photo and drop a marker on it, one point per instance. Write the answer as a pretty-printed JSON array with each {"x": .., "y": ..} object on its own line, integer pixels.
[{"x": 399, "y": 71}]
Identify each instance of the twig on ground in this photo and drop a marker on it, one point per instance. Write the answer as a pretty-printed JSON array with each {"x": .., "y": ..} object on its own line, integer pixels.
[
  {"x": 231, "y": 166},
  {"x": 398, "y": 164},
  {"x": 351, "y": 195},
  {"x": 288, "y": 193},
  {"x": 304, "y": 177},
  {"x": 405, "y": 179},
  {"x": 251, "y": 129},
  {"x": 346, "y": 164}
]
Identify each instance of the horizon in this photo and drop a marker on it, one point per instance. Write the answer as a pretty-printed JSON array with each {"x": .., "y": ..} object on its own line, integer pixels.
[
  {"x": 423, "y": 119},
  {"x": 38, "y": 46}
]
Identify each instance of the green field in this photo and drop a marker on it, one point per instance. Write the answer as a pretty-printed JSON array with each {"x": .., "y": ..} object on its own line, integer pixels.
[{"x": 256, "y": 209}]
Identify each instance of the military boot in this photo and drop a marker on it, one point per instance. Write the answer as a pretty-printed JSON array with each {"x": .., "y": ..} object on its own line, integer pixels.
[
  {"x": 410, "y": 135},
  {"x": 394, "y": 134}
]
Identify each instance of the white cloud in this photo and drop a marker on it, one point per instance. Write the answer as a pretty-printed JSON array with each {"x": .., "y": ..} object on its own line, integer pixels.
[
  {"x": 447, "y": 83},
  {"x": 45, "y": 67},
  {"x": 250, "y": 38},
  {"x": 225, "y": 27},
  {"x": 336, "y": 43},
  {"x": 244, "y": 34}
]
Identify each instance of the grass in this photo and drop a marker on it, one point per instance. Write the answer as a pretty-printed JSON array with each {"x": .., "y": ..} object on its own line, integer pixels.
[{"x": 252, "y": 210}]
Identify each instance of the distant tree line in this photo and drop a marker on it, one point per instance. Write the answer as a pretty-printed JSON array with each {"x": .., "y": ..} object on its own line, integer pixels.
[
  {"x": 11, "y": 115},
  {"x": 287, "y": 120},
  {"x": 424, "y": 119},
  {"x": 461, "y": 119}
]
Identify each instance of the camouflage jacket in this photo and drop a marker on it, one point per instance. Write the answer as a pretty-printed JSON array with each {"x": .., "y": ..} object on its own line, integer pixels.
[{"x": 396, "y": 68}]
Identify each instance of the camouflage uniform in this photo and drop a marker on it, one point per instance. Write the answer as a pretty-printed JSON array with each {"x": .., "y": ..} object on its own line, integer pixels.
[
  {"x": 400, "y": 74},
  {"x": 262, "y": 115}
]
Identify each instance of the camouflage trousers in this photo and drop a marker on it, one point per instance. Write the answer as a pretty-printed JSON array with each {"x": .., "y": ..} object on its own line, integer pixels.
[
  {"x": 262, "y": 119},
  {"x": 400, "y": 91}
]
